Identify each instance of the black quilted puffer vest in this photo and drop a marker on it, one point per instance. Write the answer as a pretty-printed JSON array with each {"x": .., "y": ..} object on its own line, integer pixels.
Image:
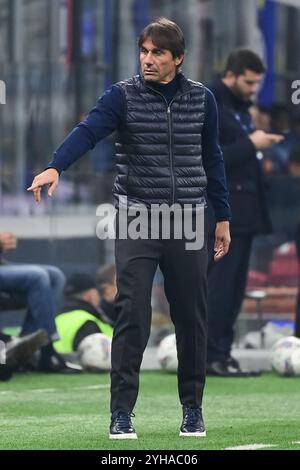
[{"x": 158, "y": 150}]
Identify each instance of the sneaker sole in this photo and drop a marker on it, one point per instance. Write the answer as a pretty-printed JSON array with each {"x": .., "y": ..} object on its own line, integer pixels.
[
  {"x": 20, "y": 352},
  {"x": 192, "y": 434},
  {"x": 123, "y": 436}
]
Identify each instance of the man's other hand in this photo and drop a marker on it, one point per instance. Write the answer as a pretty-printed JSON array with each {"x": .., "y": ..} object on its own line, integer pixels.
[
  {"x": 262, "y": 140},
  {"x": 48, "y": 177},
  {"x": 222, "y": 240}
]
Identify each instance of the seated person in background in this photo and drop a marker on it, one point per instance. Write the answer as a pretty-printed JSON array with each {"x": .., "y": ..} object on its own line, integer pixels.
[
  {"x": 107, "y": 286},
  {"x": 81, "y": 315},
  {"x": 39, "y": 288},
  {"x": 294, "y": 162}
]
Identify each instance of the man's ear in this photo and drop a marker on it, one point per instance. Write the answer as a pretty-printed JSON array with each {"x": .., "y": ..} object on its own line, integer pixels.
[
  {"x": 229, "y": 75},
  {"x": 229, "y": 78},
  {"x": 179, "y": 60}
]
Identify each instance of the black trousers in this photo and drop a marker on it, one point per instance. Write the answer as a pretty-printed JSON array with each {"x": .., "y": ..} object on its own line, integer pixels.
[
  {"x": 226, "y": 289},
  {"x": 185, "y": 274}
]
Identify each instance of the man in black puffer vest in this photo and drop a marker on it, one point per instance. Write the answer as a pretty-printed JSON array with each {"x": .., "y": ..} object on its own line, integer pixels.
[{"x": 167, "y": 153}]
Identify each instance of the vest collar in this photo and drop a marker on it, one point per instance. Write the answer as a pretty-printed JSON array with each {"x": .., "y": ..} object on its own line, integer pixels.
[{"x": 184, "y": 85}]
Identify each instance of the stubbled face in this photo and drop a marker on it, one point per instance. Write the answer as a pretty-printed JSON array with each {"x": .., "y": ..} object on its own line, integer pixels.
[
  {"x": 157, "y": 65},
  {"x": 245, "y": 85}
]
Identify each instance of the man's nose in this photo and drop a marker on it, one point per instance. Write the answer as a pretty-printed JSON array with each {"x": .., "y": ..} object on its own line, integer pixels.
[{"x": 149, "y": 58}]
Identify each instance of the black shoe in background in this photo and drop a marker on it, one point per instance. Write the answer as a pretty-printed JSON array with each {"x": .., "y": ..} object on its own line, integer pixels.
[
  {"x": 223, "y": 369},
  {"x": 233, "y": 363},
  {"x": 228, "y": 367},
  {"x": 52, "y": 362},
  {"x": 4, "y": 337}
]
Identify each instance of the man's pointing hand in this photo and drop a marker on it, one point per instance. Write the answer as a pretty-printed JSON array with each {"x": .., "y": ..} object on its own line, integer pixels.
[{"x": 48, "y": 177}]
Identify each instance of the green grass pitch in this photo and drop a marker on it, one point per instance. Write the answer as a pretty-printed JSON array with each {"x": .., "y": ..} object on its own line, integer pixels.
[{"x": 40, "y": 411}]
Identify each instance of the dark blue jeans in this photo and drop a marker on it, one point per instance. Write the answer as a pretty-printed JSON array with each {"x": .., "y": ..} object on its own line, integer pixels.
[{"x": 41, "y": 287}]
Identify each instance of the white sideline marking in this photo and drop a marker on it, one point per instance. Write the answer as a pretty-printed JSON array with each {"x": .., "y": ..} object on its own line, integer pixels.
[
  {"x": 251, "y": 447},
  {"x": 92, "y": 387},
  {"x": 50, "y": 390},
  {"x": 296, "y": 442}
]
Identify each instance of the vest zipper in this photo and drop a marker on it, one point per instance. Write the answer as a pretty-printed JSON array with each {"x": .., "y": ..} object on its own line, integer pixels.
[
  {"x": 168, "y": 106},
  {"x": 171, "y": 142},
  {"x": 171, "y": 152}
]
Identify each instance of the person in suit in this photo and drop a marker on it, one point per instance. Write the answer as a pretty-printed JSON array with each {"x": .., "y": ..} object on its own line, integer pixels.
[{"x": 242, "y": 147}]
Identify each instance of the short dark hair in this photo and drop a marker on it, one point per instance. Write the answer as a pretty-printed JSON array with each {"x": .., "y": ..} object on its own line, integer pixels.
[
  {"x": 240, "y": 60},
  {"x": 105, "y": 275},
  {"x": 165, "y": 34}
]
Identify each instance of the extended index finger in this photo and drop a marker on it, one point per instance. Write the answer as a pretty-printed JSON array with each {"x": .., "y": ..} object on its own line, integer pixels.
[
  {"x": 37, "y": 194},
  {"x": 34, "y": 186}
]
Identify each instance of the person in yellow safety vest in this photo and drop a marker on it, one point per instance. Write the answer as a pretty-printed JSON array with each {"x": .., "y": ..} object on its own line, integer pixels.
[{"x": 81, "y": 315}]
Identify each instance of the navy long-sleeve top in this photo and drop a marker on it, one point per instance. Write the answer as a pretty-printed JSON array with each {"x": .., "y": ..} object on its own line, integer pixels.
[{"x": 109, "y": 114}]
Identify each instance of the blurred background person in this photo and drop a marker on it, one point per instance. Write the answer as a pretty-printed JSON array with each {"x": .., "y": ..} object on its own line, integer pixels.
[
  {"x": 38, "y": 289},
  {"x": 81, "y": 315},
  {"x": 241, "y": 145}
]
